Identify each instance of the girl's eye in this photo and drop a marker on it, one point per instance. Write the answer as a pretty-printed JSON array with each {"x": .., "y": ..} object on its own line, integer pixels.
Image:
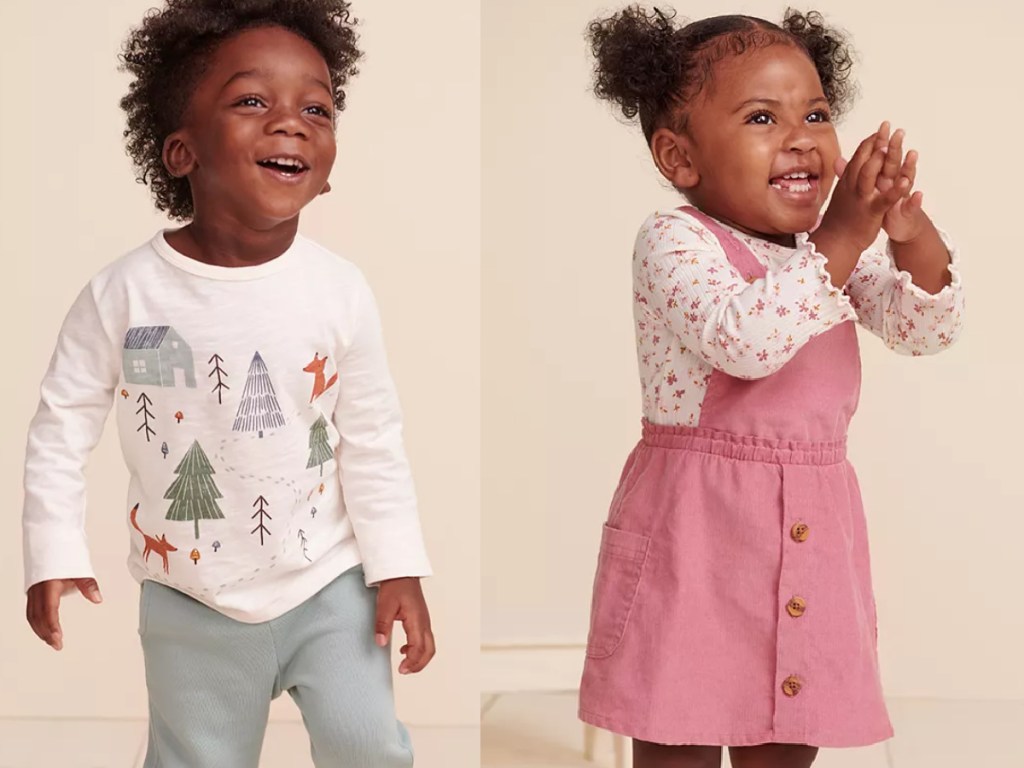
[
  {"x": 820, "y": 116},
  {"x": 321, "y": 111},
  {"x": 760, "y": 118},
  {"x": 247, "y": 101}
]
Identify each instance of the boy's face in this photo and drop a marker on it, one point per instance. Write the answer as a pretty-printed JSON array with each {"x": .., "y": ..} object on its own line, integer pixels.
[{"x": 265, "y": 95}]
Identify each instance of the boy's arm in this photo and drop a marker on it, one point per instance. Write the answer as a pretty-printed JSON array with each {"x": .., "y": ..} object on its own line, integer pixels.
[
  {"x": 75, "y": 398},
  {"x": 375, "y": 477}
]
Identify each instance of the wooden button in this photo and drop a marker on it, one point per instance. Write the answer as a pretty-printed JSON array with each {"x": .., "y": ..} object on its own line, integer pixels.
[
  {"x": 796, "y": 607},
  {"x": 800, "y": 532},
  {"x": 791, "y": 685}
]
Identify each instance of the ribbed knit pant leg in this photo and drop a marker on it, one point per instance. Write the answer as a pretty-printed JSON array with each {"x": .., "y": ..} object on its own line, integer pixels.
[
  {"x": 210, "y": 681},
  {"x": 340, "y": 679}
]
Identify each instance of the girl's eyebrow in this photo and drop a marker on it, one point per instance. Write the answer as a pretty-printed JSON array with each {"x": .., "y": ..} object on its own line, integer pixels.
[
  {"x": 257, "y": 72},
  {"x": 776, "y": 103}
]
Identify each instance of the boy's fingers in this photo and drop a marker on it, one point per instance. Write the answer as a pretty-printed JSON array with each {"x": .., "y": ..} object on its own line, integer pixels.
[
  {"x": 387, "y": 609},
  {"x": 89, "y": 589}
]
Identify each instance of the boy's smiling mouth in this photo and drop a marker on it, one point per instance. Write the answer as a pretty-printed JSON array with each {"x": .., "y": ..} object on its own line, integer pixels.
[{"x": 285, "y": 167}]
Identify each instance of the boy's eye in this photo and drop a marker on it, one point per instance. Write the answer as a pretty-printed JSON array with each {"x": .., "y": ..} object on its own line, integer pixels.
[
  {"x": 321, "y": 111},
  {"x": 819, "y": 116},
  {"x": 249, "y": 101},
  {"x": 760, "y": 118}
]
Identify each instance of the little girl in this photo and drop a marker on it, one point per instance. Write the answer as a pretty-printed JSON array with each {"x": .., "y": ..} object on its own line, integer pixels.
[{"x": 733, "y": 601}]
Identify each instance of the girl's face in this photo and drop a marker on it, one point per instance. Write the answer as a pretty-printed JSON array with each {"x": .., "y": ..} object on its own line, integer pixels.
[
  {"x": 763, "y": 117},
  {"x": 265, "y": 95}
]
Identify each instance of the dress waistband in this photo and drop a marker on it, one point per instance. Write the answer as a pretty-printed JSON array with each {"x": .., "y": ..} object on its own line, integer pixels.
[{"x": 744, "y": 447}]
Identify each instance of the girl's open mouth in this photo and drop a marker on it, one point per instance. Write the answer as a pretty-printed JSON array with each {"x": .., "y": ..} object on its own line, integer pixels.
[{"x": 797, "y": 187}]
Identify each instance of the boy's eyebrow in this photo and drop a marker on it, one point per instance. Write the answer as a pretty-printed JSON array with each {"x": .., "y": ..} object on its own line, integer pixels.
[
  {"x": 776, "y": 103},
  {"x": 264, "y": 74}
]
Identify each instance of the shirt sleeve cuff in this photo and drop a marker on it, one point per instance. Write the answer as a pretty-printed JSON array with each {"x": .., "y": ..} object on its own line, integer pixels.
[
  {"x": 55, "y": 554},
  {"x": 905, "y": 280}
]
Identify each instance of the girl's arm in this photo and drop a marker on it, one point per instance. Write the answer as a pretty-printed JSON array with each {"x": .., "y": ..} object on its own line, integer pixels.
[
  {"x": 683, "y": 279},
  {"x": 909, "y": 298}
]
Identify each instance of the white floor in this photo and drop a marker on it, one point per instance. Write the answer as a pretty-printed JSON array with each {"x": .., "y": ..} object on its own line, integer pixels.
[
  {"x": 541, "y": 731},
  {"x": 120, "y": 744}
]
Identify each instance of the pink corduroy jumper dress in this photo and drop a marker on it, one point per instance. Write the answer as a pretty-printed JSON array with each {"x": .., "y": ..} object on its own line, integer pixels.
[{"x": 733, "y": 602}]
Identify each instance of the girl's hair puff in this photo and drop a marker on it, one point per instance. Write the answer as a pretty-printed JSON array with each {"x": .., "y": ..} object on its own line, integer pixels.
[
  {"x": 167, "y": 54},
  {"x": 653, "y": 68}
]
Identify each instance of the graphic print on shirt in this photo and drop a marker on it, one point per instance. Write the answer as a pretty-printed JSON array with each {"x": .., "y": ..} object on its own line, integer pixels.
[
  {"x": 304, "y": 544},
  {"x": 221, "y": 374},
  {"x": 263, "y": 516},
  {"x": 146, "y": 416},
  {"x": 319, "y": 447},
  {"x": 259, "y": 409},
  {"x": 157, "y": 356},
  {"x": 193, "y": 494},
  {"x": 161, "y": 546},
  {"x": 320, "y": 382}
]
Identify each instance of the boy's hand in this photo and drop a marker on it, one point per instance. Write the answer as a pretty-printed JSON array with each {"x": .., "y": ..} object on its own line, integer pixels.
[
  {"x": 44, "y": 606},
  {"x": 402, "y": 600}
]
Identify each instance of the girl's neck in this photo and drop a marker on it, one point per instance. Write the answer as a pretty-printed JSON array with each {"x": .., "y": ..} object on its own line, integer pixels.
[
  {"x": 231, "y": 243},
  {"x": 785, "y": 240}
]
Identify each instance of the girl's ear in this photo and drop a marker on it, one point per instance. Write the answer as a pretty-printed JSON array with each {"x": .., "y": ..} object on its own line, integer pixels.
[
  {"x": 672, "y": 154},
  {"x": 179, "y": 160}
]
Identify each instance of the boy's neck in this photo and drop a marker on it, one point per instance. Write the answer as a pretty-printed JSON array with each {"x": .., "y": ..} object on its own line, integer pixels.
[{"x": 229, "y": 244}]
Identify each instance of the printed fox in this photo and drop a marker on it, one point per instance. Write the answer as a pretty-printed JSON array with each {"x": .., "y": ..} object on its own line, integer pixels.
[
  {"x": 320, "y": 384},
  {"x": 161, "y": 546}
]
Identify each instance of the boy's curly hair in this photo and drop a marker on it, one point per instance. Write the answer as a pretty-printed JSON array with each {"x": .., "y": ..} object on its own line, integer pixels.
[
  {"x": 651, "y": 67},
  {"x": 169, "y": 51}
]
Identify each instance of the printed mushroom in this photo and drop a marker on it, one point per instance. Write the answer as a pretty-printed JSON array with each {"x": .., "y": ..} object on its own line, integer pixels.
[
  {"x": 194, "y": 556},
  {"x": 216, "y": 546},
  {"x": 179, "y": 416},
  {"x": 124, "y": 393}
]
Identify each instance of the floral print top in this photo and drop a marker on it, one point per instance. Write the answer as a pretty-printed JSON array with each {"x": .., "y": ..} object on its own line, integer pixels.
[{"x": 694, "y": 312}]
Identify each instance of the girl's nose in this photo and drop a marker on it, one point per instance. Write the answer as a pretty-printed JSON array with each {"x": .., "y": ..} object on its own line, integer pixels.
[
  {"x": 800, "y": 140},
  {"x": 288, "y": 122}
]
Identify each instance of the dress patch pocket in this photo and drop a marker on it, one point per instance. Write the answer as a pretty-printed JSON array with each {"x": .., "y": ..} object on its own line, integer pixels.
[{"x": 620, "y": 566}]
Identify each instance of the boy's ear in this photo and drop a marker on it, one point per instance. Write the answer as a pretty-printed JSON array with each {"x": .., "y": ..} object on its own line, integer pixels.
[
  {"x": 324, "y": 191},
  {"x": 672, "y": 154},
  {"x": 178, "y": 158}
]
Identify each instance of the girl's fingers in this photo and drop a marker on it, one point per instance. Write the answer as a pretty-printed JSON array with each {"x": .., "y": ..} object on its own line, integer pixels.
[
  {"x": 860, "y": 156},
  {"x": 910, "y": 166},
  {"x": 867, "y": 179},
  {"x": 893, "y": 155}
]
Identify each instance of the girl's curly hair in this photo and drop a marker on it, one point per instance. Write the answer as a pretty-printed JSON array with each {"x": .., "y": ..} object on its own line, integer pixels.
[
  {"x": 169, "y": 51},
  {"x": 651, "y": 67}
]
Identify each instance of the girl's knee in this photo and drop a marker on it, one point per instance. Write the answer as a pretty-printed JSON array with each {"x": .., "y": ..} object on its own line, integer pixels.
[
  {"x": 648, "y": 755},
  {"x": 773, "y": 756}
]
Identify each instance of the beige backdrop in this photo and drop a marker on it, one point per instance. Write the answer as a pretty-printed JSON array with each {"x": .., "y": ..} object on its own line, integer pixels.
[
  {"x": 936, "y": 441},
  {"x": 404, "y": 207}
]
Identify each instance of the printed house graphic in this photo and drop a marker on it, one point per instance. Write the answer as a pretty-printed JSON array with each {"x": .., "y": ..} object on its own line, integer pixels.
[{"x": 157, "y": 356}]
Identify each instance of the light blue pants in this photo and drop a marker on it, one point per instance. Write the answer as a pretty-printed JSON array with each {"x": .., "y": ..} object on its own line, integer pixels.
[{"x": 211, "y": 680}]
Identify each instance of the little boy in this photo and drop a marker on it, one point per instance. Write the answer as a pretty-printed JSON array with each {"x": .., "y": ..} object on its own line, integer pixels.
[{"x": 273, "y": 517}]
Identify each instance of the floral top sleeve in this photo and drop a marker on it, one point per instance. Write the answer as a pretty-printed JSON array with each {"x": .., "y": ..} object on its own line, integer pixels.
[
  {"x": 907, "y": 318},
  {"x": 695, "y": 312}
]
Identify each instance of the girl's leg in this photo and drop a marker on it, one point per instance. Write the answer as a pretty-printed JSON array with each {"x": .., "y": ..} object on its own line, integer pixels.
[
  {"x": 773, "y": 756},
  {"x": 648, "y": 755}
]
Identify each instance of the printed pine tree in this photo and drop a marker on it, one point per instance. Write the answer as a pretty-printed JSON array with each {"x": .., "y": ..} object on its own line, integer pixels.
[
  {"x": 193, "y": 493},
  {"x": 319, "y": 447},
  {"x": 259, "y": 409}
]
